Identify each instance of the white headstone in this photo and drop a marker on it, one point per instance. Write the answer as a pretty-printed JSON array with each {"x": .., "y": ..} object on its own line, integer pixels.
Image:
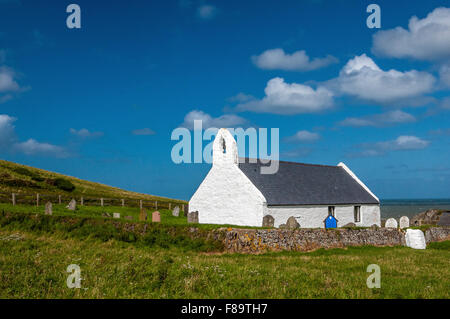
[
  {"x": 415, "y": 239},
  {"x": 116, "y": 215},
  {"x": 176, "y": 211},
  {"x": 72, "y": 205},
  {"x": 391, "y": 223},
  {"x": 404, "y": 222}
]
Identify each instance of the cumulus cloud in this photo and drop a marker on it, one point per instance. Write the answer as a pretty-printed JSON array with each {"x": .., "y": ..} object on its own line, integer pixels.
[
  {"x": 402, "y": 143},
  {"x": 223, "y": 121},
  {"x": 206, "y": 12},
  {"x": 304, "y": 137},
  {"x": 425, "y": 39},
  {"x": 379, "y": 120},
  {"x": 7, "y": 81},
  {"x": 85, "y": 133},
  {"x": 33, "y": 147},
  {"x": 277, "y": 59},
  {"x": 143, "y": 131},
  {"x": 363, "y": 79},
  {"x": 285, "y": 98},
  {"x": 9, "y": 141}
]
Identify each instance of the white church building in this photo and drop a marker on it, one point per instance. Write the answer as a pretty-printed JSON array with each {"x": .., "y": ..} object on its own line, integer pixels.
[{"x": 235, "y": 192}]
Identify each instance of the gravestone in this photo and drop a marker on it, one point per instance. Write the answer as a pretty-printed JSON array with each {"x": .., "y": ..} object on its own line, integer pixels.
[
  {"x": 349, "y": 225},
  {"x": 116, "y": 215},
  {"x": 143, "y": 215},
  {"x": 404, "y": 222},
  {"x": 49, "y": 208},
  {"x": 129, "y": 217},
  {"x": 72, "y": 205},
  {"x": 193, "y": 217},
  {"x": 415, "y": 239},
  {"x": 292, "y": 223},
  {"x": 156, "y": 217},
  {"x": 391, "y": 223},
  {"x": 176, "y": 211},
  {"x": 106, "y": 214},
  {"x": 268, "y": 221}
]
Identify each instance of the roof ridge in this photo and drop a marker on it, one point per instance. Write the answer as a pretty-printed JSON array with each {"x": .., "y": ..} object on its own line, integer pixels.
[{"x": 288, "y": 162}]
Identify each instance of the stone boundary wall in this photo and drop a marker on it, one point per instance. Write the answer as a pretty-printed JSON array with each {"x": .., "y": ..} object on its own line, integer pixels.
[{"x": 263, "y": 240}]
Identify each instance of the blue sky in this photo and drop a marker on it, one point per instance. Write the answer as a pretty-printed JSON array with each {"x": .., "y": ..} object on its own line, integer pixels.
[{"x": 100, "y": 102}]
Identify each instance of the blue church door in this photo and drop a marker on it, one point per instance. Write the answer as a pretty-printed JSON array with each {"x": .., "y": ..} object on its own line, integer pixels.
[{"x": 330, "y": 222}]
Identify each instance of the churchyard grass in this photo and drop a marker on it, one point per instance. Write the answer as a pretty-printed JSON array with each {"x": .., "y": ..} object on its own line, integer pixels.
[{"x": 33, "y": 265}]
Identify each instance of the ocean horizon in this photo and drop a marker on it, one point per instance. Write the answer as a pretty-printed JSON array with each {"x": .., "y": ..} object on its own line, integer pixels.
[{"x": 410, "y": 207}]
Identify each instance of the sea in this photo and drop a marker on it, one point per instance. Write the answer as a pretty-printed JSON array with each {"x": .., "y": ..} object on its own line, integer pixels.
[{"x": 410, "y": 207}]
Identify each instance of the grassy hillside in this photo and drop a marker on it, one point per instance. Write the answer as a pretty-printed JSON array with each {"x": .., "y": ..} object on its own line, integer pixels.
[{"x": 25, "y": 179}]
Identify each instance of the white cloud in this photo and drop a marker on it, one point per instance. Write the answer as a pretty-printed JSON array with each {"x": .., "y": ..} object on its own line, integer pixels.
[
  {"x": 402, "y": 143},
  {"x": 33, "y": 147},
  {"x": 362, "y": 78},
  {"x": 207, "y": 12},
  {"x": 277, "y": 59},
  {"x": 7, "y": 134},
  {"x": 223, "y": 121},
  {"x": 304, "y": 137},
  {"x": 7, "y": 82},
  {"x": 9, "y": 141},
  {"x": 379, "y": 120},
  {"x": 285, "y": 98},
  {"x": 425, "y": 39},
  {"x": 143, "y": 131},
  {"x": 85, "y": 133}
]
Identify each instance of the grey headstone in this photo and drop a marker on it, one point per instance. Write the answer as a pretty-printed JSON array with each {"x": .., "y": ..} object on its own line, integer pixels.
[
  {"x": 404, "y": 222},
  {"x": 193, "y": 217},
  {"x": 72, "y": 205},
  {"x": 49, "y": 208},
  {"x": 391, "y": 223},
  {"x": 268, "y": 221},
  {"x": 176, "y": 211},
  {"x": 349, "y": 225},
  {"x": 116, "y": 215},
  {"x": 292, "y": 223}
]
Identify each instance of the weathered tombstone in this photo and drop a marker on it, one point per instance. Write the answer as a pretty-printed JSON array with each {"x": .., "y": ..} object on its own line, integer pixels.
[
  {"x": 268, "y": 221},
  {"x": 292, "y": 223},
  {"x": 116, "y": 215},
  {"x": 48, "y": 208},
  {"x": 129, "y": 217},
  {"x": 72, "y": 205},
  {"x": 415, "y": 239},
  {"x": 143, "y": 215},
  {"x": 156, "y": 217},
  {"x": 349, "y": 225},
  {"x": 404, "y": 222},
  {"x": 391, "y": 223},
  {"x": 193, "y": 217},
  {"x": 176, "y": 211}
]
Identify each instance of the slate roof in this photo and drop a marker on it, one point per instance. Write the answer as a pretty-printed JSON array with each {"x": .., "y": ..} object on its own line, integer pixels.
[{"x": 306, "y": 184}]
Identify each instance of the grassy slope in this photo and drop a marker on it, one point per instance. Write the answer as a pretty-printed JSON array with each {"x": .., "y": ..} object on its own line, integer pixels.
[
  {"x": 33, "y": 265},
  {"x": 83, "y": 188}
]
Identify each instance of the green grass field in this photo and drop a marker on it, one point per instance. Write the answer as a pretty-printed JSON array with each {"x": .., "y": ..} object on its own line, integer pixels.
[
  {"x": 33, "y": 265},
  {"x": 35, "y": 251}
]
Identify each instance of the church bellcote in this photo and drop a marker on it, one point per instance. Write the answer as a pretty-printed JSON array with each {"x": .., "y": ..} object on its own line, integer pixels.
[{"x": 224, "y": 148}]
